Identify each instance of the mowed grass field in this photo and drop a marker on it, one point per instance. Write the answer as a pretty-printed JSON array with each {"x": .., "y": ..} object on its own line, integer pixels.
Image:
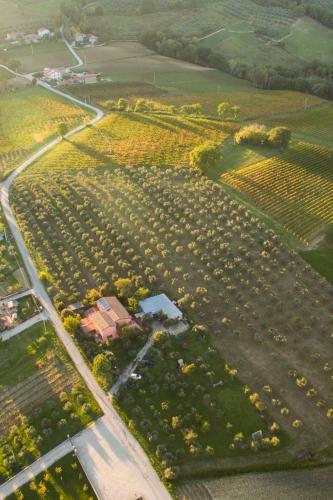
[
  {"x": 310, "y": 40},
  {"x": 25, "y": 14},
  {"x": 28, "y": 118},
  {"x": 135, "y": 139},
  {"x": 178, "y": 82},
  {"x": 294, "y": 188},
  {"x": 177, "y": 231},
  {"x": 37, "y": 380},
  {"x": 248, "y": 47},
  {"x": 41, "y": 55},
  {"x": 313, "y": 125}
]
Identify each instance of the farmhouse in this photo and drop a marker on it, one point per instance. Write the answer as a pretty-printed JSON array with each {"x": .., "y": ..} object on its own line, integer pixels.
[
  {"x": 92, "y": 39},
  {"x": 103, "y": 320},
  {"x": 56, "y": 74},
  {"x": 160, "y": 304},
  {"x": 44, "y": 33},
  {"x": 79, "y": 37}
]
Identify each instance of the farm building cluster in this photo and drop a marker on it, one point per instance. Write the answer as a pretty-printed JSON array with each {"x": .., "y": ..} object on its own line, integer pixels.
[
  {"x": 84, "y": 39},
  {"x": 104, "y": 320},
  {"x": 62, "y": 76},
  {"x": 18, "y": 37}
]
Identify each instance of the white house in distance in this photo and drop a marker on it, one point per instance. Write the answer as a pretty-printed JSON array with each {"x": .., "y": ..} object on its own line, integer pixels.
[
  {"x": 160, "y": 304},
  {"x": 85, "y": 38},
  {"x": 55, "y": 74},
  {"x": 44, "y": 33}
]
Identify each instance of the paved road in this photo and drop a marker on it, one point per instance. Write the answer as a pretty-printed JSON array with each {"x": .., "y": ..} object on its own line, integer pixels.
[
  {"x": 34, "y": 469},
  {"x": 72, "y": 50},
  {"x": 133, "y": 470},
  {"x": 18, "y": 295},
  {"x": 8, "y": 334}
]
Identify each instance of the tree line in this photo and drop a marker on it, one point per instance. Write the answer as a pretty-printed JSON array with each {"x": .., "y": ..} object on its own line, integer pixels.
[{"x": 185, "y": 48}]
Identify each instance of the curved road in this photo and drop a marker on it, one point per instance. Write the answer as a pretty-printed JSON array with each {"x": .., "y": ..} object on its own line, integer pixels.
[{"x": 113, "y": 460}]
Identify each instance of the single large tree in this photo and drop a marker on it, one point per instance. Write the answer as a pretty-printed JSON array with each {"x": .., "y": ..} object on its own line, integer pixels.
[{"x": 206, "y": 155}]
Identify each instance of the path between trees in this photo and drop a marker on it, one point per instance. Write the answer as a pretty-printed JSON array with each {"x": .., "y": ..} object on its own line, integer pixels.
[
  {"x": 114, "y": 461},
  {"x": 227, "y": 30}
]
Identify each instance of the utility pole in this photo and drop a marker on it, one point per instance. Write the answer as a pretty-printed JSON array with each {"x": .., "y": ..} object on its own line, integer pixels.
[{"x": 154, "y": 77}]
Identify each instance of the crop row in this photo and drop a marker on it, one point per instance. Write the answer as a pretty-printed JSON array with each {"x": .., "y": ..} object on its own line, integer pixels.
[
  {"x": 29, "y": 117},
  {"x": 295, "y": 188},
  {"x": 315, "y": 122}
]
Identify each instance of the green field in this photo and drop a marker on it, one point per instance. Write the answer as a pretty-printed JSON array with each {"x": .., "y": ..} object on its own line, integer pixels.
[
  {"x": 305, "y": 40},
  {"x": 310, "y": 41},
  {"x": 170, "y": 81},
  {"x": 313, "y": 125},
  {"x": 248, "y": 47},
  {"x": 42, "y": 398},
  {"x": 24, "y": 14},
  {"x": 29, "y": 118},
  {"x": 294, "y": 188},
  {"x": 65, "y": 479},
  {"x": 41, "y": 55},
  {"x": 321, "y": 260}
]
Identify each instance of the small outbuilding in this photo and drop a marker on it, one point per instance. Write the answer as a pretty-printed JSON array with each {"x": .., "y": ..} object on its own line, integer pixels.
[{"x": 160, "y": 304}]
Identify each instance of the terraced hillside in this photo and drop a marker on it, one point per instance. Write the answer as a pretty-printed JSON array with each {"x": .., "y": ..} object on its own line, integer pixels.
[
  {"x": 28, "y": 118},
  {"x": 295, "y": 188}
]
